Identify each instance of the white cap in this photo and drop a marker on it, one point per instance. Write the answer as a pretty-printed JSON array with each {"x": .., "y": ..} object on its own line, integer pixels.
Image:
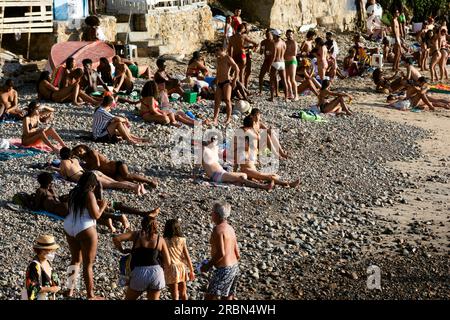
[{"x": 276, "y": 32}]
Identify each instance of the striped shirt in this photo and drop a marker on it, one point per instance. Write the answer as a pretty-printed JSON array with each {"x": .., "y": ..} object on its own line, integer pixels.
[{"x": 101, "y": 120}]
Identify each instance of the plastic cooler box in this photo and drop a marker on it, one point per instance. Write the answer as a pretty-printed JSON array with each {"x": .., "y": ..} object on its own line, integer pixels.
[{"x": 190, "y": 97}]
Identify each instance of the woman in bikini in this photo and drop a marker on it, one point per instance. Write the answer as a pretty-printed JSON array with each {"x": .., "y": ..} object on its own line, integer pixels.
[
  {"x": 113, "y": 169},
  {"x": 445, "y": 51},
  {"x": 337, "y": 105},
  {"x": 435, "y": 54},
  {"x": 425, "y": 49},
  {"x": 272, "y": 140},
  {"x": 196, "y": 67},
  {"x": 31, "y": 133},
  {"x": 305, "y": 78},
  {"x": 322, "y": 55},
  {"x": 47, "y": 91},
  {"x": 72, "y": 171},
  {"x": 151, "y": 112}
]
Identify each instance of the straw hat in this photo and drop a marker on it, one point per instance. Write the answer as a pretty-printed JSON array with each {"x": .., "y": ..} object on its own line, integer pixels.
[{"x": 46, "y": 242}]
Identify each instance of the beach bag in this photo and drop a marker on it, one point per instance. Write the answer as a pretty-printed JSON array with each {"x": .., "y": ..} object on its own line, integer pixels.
[
  {"x": 40, "y": 296},
  {"x": 126, "y": 266}
]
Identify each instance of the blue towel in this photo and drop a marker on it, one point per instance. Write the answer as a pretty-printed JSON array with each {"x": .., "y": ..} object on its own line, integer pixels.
[
  {"x": 17, "y": 152},
  {"x": 48, "y": 214}
]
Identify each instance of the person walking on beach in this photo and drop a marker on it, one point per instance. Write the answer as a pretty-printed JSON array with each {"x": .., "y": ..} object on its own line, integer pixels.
[
  {"x": 278, "y": 65},
  {"x": 395, "y": 25},
  {"x": 224, "y": 84},
  {"x": 224, "y": 256}
]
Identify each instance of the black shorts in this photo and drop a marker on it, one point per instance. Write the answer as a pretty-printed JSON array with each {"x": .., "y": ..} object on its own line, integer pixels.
[{"x": 107, "y": 139}]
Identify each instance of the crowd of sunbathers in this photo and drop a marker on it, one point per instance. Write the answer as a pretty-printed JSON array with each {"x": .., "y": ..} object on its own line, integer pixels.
[{"x": 311, "y": 66}]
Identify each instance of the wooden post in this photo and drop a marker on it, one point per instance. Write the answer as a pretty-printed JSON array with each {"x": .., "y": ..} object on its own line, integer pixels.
[{"x": 29, "y": 34}]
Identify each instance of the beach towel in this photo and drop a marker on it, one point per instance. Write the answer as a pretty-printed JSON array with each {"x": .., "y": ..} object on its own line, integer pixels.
[
  {"x": 440, "y": 88},
  {"x": 38, "y": 145},
  {"x": 16, "y": 207},
  {"x": 308, "y": 116},
  {"x": 219, "y": 185},
  {"x": 15, "y": 152}
]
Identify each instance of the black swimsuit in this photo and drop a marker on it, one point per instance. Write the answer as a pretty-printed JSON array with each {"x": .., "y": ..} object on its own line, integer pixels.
[{"x": 223, "y": 83}]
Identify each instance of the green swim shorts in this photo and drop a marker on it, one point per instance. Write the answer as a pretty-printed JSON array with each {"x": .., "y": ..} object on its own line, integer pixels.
[
  {"x": 134, "y": 70},
  {"x": 292, "y": 62}
]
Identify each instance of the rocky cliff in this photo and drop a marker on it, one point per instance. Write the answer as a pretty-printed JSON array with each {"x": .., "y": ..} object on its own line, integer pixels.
[{"x": 337, "y": 14}]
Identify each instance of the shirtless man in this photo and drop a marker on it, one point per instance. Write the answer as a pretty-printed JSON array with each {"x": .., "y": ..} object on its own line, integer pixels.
[
  {"x": 113, "y": 169},
  {"x": 395, "y": 25},
  {"x": 91, "y": 78},
  {"x": 247, "y": 158},
  {"x": 224, "y": 85},
  {"x": 266, "y": 49},
  {"x": 72, "y": 171},
  {"x": 236, "y": 49},
  {"x": 212, "y": 167},
  {"x": 322, "y": 57},
  {"x": 411, "y": 71},
  {"x": 278, "y": 65},
  {"x": 308, "y": 44},
  {"x": 290, "y": 57},
  {"x": 224, "y": 256},
  {"x": 123, "y": 79},
  {"x": 9, "y": 105}
]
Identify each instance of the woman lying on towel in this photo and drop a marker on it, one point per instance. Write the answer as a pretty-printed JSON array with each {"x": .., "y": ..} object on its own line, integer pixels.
[{"x": 32, "y": 134}]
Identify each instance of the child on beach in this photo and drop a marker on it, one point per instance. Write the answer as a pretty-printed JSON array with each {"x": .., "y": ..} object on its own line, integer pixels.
[{"x": 177, "y": 274}]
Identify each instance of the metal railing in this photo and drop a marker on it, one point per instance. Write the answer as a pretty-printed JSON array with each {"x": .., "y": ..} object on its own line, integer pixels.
[{"x": 144, "y": 6}]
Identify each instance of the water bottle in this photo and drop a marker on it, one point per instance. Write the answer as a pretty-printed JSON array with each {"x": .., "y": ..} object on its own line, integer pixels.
[{"x": 190, "y": 114}]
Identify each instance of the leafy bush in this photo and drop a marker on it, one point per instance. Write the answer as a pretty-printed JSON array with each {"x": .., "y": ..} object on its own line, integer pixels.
[{"x": 422, "y": 9}]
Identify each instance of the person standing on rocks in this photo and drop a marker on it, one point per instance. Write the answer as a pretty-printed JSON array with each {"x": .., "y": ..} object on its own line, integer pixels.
[
  {"x": 308, "y": 44},
  {"x": 266, "y": 49},
  {"x": 395, "y": 25},
  {"x": 9, "y": 105},
  {"x": 322, "y": 57},
  {"x": 224, "y": 256},
  {"x": 80, "y": 227},
  {"x": 290, "y": 56},
  {"x": 224, "y": 84},
  {"x": 278, "y": 65},
  {"x": 236, "y": 20},
  {"x": 237, "y": 47}
]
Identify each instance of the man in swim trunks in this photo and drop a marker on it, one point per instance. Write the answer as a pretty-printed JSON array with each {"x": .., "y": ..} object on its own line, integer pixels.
[
  {"x": 290, "y": 57},
  {"x": 217, "y": 174},
  {"x": 277, "y": 65},
  {"x": 224, "y": 83},
  {"x": 397, "y": 36},
  {"x": 266, "y": 49},
  {"x": 9, "y": 106},
  {"x": 236, "y": 49},
  {"x": 224, "y": 256},
  {"x": 411, "y": 71}
]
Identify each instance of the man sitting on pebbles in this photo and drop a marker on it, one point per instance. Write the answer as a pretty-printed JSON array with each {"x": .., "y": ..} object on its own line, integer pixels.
[
  {"x": 9, "y": 106},
  {"x": 71, "y": 170},
  {"x": 210, "y": 163},
  {"x": 117, "y": 170}
]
